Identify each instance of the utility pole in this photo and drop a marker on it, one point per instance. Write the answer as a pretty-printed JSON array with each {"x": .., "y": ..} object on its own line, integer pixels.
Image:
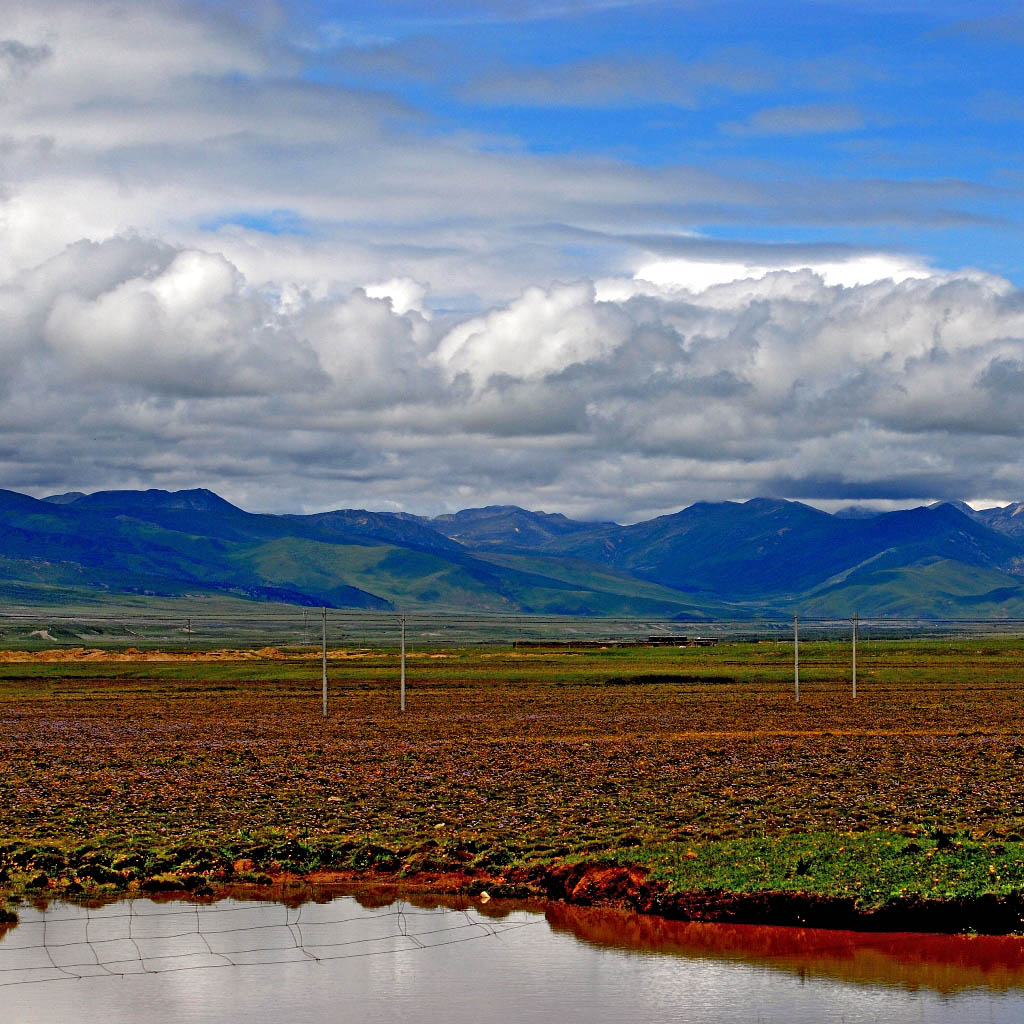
[
  {"x": 325, "y": 662},
  {"x": 855, "y": 655},
  {"x": 796, "y": 657},
  {"x": 402, "y": 691}
]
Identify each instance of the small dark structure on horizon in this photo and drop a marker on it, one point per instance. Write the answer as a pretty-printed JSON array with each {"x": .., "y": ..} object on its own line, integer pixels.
[{"x": 661, "y": 640}]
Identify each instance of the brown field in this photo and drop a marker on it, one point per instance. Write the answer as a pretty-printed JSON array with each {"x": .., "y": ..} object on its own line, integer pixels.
[
  {"x": 530, "y": 749},
  {"x": 510, "y": 756}
]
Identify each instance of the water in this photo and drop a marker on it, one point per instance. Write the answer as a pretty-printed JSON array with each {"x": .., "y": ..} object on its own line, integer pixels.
[{"x": 367, "y": 959}]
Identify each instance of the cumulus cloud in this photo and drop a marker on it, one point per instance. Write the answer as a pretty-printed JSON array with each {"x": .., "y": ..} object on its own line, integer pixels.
[
  {"x": 698, "y": 275},
  {"x": 779, "y": 384},
  {"x": 135, "y": 362},
  {"x": 403, "y": 293},
  {"x": 540, "y": 334},
  {"x": 149, "y": 316}
]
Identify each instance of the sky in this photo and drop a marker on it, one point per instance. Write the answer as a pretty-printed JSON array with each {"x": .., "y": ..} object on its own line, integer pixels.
[{"x": 599, "y": 257}]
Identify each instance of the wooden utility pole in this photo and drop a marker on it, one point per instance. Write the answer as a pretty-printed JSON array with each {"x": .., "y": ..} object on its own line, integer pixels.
[
  {"x": 325, "y": 662},
  {"x": 855, "y": 655},
  {"x": 796, "y": 657},
  {"x": 402, "y": 690}
]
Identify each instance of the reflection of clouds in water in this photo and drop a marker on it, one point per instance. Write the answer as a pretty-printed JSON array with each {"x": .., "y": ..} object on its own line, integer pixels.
[
  {"x": 517, "y": 974},
  {"x": 139, "y": 937}
]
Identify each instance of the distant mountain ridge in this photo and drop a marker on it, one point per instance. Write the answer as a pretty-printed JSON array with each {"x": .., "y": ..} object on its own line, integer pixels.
[
  {"x": 1008, "y": 520},
  {"x": 724, "y": 559},
  {"x": 507, "y": 526}
]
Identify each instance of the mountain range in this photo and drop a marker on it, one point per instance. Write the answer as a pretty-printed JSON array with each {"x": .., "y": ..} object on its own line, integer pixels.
[{"x": 710, "y": 560}]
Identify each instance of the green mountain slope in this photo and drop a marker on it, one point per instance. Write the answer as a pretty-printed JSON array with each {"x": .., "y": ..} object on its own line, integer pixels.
[
  {"x": 724, "y": 560},
  {"x": 416, "y": 579},
  {"x": 627, "y": 595},
  {"x": 940, "y": 589},
  {"x": 508, "y": 527},
  {"x": 171, "y": 544},
  {"x": 776, "y": 550}
]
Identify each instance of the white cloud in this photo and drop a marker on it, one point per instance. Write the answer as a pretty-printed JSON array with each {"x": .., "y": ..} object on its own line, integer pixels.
[
  {"x": 151, "y": 317},
  {"x": 800, "y": 119},
  {"x": 539, "y": 334},
  {"x": 214, "y": 269},
  {"x": 403, "y": 293},
  {"x": 134, "y": 362},
  {"x": 175, "y": 122},
  {"x": 617, "y": 82},
  {"x": 699, "y": 275}
]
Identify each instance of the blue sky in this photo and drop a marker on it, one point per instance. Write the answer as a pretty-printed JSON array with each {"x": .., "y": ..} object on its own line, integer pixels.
[
  {"x": 921, "y": 101},
  {"x": 604, "y": 258}
]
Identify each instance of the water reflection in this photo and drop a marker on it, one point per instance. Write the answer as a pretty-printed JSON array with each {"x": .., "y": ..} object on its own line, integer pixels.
[
  {"x": 379, "y": 955},
  {"x": 66, "y": 941},
  {"x": 942, "y": 963}
]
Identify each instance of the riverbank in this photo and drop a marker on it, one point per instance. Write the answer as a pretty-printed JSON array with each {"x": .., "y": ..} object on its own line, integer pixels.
[{"x": 864, "y": 882}]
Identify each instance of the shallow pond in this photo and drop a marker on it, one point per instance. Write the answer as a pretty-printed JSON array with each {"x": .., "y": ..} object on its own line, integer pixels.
[{"x": 369, "y": 959}]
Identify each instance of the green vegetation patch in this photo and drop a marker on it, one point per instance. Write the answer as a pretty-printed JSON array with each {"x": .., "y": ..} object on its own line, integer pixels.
[
  {"x": 873, "y": 869},
  {"x": 667, "y": 679}
]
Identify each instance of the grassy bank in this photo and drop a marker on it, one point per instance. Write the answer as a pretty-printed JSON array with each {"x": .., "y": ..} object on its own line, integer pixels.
[
  {"x": 872, "y": 868},
  {"x": 874, "y": 879},
  {"x": 695, "y": 768}
]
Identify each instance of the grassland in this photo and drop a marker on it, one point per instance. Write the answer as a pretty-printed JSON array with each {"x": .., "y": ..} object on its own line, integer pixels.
[{"x": 693, "y": 769}]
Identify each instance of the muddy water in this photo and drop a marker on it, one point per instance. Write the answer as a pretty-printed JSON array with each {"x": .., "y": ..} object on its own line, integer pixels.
[{"x": 367, "y": 959}]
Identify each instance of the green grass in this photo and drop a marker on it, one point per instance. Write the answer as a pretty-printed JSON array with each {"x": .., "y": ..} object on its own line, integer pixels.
[{"x": 872, "y": 868}]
